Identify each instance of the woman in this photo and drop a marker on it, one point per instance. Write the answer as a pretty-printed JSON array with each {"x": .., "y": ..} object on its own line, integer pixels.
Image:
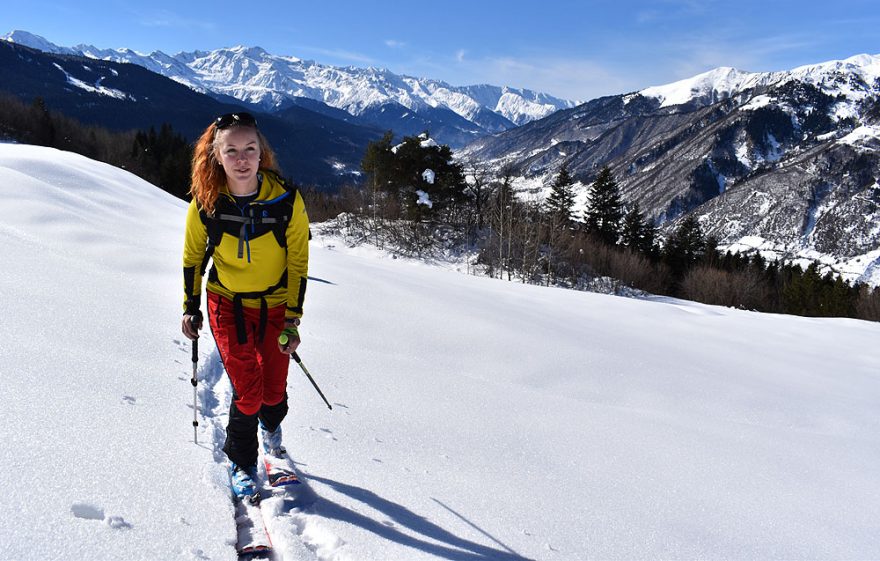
[{"x": 254, "y": 226}]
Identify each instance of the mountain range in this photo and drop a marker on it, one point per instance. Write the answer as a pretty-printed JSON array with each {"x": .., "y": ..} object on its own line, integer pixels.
[
  {"x": 313, "y": 148},
  {"x": 782, "y": 163},
  {"x": 371, "y": 97}
]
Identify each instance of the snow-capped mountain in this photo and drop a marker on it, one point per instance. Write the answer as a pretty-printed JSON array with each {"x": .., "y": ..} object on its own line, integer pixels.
[
  {"x": 313, "y": 148},
  {"x": 405, "y": 104},
  {"x": 785, "y": 163},
  {"x": 853, "y": 78}
]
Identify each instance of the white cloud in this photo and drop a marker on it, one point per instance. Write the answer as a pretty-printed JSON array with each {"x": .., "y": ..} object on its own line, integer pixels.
[
  {"x": 394, "y": 44},
  {"x": 569, "y": 78},
  {"x": 172, "y": 20},
  {"x": 337, "y": 54}
]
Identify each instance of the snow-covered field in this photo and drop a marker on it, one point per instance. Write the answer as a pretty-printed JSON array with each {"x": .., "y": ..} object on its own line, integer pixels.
[{"x": 474, "y": 419}]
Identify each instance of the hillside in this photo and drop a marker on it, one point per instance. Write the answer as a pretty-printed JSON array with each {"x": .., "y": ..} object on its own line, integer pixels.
[
  {"x": 781, "y": 163},
  {"x": 473, "y": 419}
]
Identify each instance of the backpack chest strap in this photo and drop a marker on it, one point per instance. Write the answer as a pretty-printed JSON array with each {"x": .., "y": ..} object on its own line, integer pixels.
[{"x": 246, "y": 221}]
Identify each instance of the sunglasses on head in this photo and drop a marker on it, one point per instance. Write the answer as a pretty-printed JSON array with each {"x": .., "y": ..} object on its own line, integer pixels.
[{"x": 230, "y": 119}]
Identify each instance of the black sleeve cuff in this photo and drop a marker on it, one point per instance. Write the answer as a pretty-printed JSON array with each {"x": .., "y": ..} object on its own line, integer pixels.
[{"x": 192, "y": 305}]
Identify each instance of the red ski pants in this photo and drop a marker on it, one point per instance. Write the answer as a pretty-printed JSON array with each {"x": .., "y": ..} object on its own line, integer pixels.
[{"x": 257, "y": 369}]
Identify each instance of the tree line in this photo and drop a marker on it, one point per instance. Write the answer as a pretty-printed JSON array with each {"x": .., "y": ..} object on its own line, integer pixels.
[
  {"x": 161, "y": 157},
  {"x": 420, "y": 201}
]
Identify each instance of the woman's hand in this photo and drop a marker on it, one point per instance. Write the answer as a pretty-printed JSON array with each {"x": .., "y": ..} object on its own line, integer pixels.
[
  {"x": 190, "y": 325},
  {"x": 289, "y": 339}
]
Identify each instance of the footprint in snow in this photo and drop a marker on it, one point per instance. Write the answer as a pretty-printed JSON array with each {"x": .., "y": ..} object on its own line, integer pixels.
[
  {"x": 87, "y": 511},
  {"x": 129, "y": 399},
  {"x": 327, "y": 433},
  {"x": 117, "y": 523}
]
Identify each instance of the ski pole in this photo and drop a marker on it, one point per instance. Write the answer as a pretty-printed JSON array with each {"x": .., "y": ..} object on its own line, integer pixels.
[
  {"x": 196, "y": 322},
  {"x": 295, "y": 357}
]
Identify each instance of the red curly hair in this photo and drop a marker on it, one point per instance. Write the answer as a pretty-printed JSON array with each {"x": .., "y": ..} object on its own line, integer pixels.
[{"x": 207, "y": 173}]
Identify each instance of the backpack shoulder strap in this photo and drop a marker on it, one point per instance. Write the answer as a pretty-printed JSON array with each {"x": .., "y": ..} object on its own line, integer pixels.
[
  {"x": 215, "y": 234},
  {"x": 293, "y": 189}
]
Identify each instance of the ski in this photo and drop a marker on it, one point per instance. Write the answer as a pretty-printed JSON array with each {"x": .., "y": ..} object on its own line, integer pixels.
[
  {"x": 253, "y": 538},
  {"x": 279, "y": 469},
  {"x": 284, "y": 479}
]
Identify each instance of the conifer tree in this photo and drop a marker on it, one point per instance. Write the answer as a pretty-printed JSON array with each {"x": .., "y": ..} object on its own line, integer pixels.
[
  {"x": 44, "y": 127},
  {"x": 685, "y": 246},
  {"x": 378, "y": 162},
  {"x": 636, "y": 232},
  {"x": 604, "y": 209},
  {"x": 417, "y": 164},
  {"x": 560, "y": 202}
]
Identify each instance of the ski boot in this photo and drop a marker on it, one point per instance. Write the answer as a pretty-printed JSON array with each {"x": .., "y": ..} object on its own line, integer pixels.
[
  {"x": 243, "y": 485},
  {"x": 272, "y": 442}
]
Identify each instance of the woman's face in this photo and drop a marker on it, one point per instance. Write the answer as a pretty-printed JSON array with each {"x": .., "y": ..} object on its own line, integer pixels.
[{"x": 238, "y": 150}]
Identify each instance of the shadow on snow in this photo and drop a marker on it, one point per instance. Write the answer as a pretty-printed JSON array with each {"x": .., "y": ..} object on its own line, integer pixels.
[{"x": 452, "y": 547}]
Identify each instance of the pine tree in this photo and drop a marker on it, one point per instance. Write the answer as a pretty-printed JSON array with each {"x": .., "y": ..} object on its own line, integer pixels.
[
  {"x": 685, "y": 246},
  {"x": 604, "y": 210},
  {"x": 43, "y": 124},
  {"x": 377, "y": 162},
  {"x": 637, "y": 233},
  {"x": 402, "y": 171},
  {"x": 561, "y": 200}
]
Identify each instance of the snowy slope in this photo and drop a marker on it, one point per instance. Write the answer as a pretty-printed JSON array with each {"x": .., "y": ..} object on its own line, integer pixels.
[{"x": 473, "y": 418}]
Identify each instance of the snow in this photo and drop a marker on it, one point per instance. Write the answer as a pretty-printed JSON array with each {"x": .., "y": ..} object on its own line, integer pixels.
[
  {"x": 256, "y": 76},
  {"x": 424, "y": 199},
  {"x": 854, "y": 78},
  {"x": 718, "y": 83},
  {"x": 866, "y": 136},
  {"x": 428, "y": 175},
  {"x": 473, "y": 418},
  {"x": 862, "y": 268},
  {"x": 758, "y": 102},
  {"x": 97, "y": 88}
]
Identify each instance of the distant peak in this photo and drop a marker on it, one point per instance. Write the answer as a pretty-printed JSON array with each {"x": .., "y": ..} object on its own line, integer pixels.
[
  {"x": 19, "y": 36},
  {"x": 33, "y": 41},
  {"x": 249, "y": 51}
]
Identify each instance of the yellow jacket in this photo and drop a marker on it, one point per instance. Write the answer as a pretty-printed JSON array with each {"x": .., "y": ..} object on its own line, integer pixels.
[{"x": 255, "y": 257}]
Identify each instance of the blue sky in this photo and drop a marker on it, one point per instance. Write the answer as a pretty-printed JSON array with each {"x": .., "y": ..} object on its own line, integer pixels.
[{"x": 572, "y": 49}]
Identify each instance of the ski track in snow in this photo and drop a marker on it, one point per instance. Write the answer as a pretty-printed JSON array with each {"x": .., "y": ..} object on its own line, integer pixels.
[
  {"x": 298, "y": 532},
  {"x": 293, "y": 529}
]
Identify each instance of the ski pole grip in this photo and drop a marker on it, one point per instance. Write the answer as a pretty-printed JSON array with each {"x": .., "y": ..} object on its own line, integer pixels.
[{"x": 196, "y": 322}]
